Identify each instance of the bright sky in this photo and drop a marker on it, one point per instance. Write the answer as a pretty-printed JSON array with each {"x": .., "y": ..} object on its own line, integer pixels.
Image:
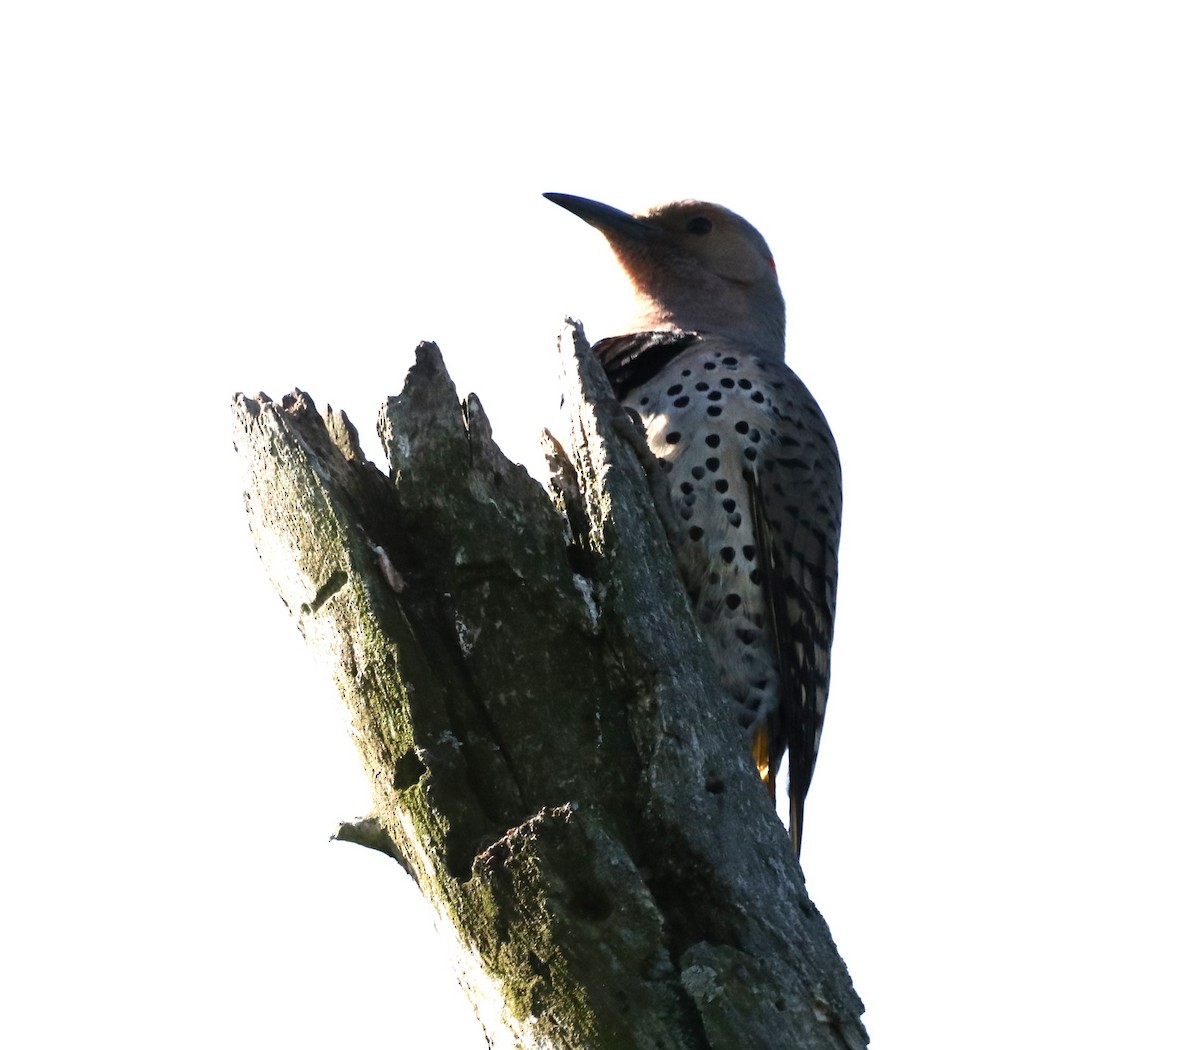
[{"x": 986, "y": 223}]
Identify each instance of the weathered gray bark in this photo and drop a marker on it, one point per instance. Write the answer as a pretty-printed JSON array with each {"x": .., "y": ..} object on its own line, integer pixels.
[{"x": 550, "y": 757}]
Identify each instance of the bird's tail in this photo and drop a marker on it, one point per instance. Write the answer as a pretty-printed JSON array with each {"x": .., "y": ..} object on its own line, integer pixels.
[
  {"x": 761, "y": 749},
  {"x": 795, "y": 807}
]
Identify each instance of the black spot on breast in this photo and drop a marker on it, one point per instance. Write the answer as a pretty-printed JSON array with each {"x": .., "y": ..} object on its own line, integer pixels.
[
  {"x": 729, "y": 505},
  {"x": 745, "y": 384},
  {"x": 681, "y": 402},
  {"x": 735, "y": 520},
  {"x": 727, "y": 554},
  {"x": 697, "y": 472},
  {"x": 712, "y": 463},
  {"x": 685, "y": 487},
  {"x": 715, "y": 396},
  {"x": 695, "y": 532},
  {"x": 751, "y": 454},
  {"x": 746, "y": 635},
  {"x": 729, "y": 362},
  {"x": 713, "y": 440},
  {"x": 673, "y": 437},
  {"x": 714, "y": 410},
  {"x": 733, "y": 600},
  {"x": 674, "y": 389},
  {"x": 727, "y": 383},
  {"x": 748, "y": 552},
  {"x": 709, "y": 366},
  {"x": 721, "y": 485},
  {"x": 644, "y": 402},
  {"x": 757, "y": 397}
]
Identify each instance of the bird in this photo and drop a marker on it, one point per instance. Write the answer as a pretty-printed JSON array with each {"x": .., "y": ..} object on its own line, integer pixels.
[{"x": 754, "y": 477}]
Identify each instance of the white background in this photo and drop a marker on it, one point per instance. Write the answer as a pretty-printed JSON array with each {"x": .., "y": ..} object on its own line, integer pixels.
[{"x": 986, "y": 225}]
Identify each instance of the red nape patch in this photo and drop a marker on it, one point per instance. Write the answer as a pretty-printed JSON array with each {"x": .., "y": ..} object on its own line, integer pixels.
[{"x": 771, "y": 260}]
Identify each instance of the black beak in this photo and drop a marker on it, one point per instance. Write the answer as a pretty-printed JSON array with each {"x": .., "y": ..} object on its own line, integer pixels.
[{"x": 608, "y": 220}]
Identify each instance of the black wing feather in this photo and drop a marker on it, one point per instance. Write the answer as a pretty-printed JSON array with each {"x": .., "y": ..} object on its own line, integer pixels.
[
  {"x": 797, "y": 626},
  {"x": 634, "y": 359}
]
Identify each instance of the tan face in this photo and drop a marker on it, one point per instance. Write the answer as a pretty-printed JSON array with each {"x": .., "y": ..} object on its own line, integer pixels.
[
  {"x": 716, "y": 239},
  {"x": 698, "y": 266},
  {"x": 694, "y": 266}
]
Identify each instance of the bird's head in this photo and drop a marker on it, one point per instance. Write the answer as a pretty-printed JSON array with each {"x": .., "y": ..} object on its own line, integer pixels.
[{"x": 693, "y": 266}]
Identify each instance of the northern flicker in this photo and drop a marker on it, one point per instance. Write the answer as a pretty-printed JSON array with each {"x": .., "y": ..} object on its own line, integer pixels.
[{"x": 755, "y": 482}]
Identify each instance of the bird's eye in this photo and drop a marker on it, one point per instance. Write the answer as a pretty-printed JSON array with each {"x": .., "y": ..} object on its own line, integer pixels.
[{"x": 699, "y": 225}]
